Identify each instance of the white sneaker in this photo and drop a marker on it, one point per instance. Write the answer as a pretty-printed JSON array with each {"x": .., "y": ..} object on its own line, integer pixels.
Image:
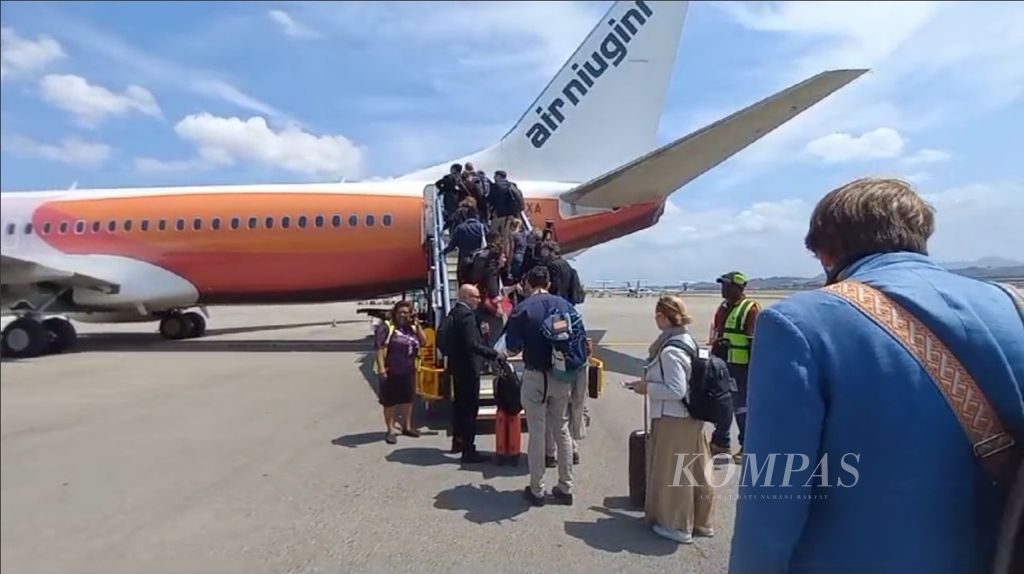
[
  {"x": 676, "y": 535},
  {"x": 705, "y": 532}
]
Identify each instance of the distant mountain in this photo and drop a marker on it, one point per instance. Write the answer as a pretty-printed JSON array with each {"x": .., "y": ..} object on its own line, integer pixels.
[
  {"x": 983, "y": 262},
  {"x": 984, "y": 268}
]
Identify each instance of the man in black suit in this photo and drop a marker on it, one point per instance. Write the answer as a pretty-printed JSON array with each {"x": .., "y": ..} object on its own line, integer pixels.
[{"x": 467, "y": 348}]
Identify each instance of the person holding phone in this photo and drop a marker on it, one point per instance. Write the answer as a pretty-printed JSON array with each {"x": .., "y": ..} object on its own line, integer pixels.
[{"x": 398, "y": 343}]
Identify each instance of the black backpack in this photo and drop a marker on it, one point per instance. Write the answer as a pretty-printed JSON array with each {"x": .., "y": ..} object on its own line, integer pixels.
[
  {"x": 478, "y": 267},
  {"x": 576, "y": 290},
  {"x": 444, "y": 335},
  {"x": 710, "y": 386}
]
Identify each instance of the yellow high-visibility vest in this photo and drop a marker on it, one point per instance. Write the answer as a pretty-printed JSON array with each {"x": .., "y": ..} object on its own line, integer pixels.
[{"x": 739, "y": 341}]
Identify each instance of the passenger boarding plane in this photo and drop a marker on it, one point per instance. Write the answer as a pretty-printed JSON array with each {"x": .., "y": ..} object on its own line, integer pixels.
[{"x": 584, "y": 154}]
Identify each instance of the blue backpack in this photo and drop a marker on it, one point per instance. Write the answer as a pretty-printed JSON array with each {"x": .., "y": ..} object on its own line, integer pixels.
[{"x": 565, "y": 332}]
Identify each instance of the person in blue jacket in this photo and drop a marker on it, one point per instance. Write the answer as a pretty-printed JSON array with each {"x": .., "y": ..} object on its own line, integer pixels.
[{"x": 881, "y": 474}]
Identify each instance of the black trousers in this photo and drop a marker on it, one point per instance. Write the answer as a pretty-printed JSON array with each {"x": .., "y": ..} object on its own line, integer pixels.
[
  {"x": 466, "y": 408},
  {"x": 739, "y": 405}
]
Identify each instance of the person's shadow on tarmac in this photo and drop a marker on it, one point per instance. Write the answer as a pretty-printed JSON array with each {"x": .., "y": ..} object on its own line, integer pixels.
[
  {"x": 620, "y": 532},
  {"x": 484, "y": 503}
]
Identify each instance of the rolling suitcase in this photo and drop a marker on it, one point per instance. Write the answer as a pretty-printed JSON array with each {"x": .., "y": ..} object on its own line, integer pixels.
[
  {"x": 638, "y": 463},
  {"x": 509, "y": 438},
  {"x": 508, "y": 430}
]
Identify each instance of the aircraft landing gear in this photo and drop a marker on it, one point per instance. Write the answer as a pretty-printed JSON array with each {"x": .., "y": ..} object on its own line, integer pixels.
[
  {"x": 27, "y": 336},
  {"x": 182, "y": 325}
]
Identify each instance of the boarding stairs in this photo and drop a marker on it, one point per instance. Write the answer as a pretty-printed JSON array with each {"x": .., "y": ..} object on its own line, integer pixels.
[{"x": 443, "y": 290}]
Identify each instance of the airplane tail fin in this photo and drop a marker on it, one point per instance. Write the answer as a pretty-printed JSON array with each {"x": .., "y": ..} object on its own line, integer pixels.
[{"x": 601, "y": 109}]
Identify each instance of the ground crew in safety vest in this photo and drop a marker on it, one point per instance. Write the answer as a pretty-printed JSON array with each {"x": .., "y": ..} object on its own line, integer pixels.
[{"x": 732, "y": 335}]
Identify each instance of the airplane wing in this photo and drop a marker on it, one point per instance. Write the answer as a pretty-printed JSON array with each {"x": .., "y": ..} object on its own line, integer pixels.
[
  {"x": 20, "y": 271},
  {"x": 653, "y": 177}
]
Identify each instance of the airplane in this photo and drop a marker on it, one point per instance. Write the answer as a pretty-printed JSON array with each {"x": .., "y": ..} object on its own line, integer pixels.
[{"x": 584, "y": 153}]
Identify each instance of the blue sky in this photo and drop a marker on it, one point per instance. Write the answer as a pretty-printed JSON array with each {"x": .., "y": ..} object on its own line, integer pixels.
[{"x": 153, "y": 93}]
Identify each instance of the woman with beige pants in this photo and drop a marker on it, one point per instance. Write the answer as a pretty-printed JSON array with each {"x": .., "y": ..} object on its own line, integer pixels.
[{"x": 680, "y": 507}]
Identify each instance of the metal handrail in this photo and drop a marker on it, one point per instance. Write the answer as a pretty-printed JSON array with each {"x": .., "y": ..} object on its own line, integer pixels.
[{"x": 441, "y": 290}]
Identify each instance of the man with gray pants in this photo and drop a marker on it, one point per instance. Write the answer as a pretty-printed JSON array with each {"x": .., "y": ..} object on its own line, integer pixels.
[
  {"x": 545, "y": 397},
  {"x": 577, "y": 424}
]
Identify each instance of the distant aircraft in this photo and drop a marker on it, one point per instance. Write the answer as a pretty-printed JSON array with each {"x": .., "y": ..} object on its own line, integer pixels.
[{"x": 584, "y": 153}]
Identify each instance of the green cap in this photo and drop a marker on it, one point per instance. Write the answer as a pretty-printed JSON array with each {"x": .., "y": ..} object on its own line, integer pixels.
[{"x": 734, "y": 277}]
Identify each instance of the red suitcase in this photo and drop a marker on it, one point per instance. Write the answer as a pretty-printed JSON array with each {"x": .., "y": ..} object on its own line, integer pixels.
[{"x": 509, "y": 438}]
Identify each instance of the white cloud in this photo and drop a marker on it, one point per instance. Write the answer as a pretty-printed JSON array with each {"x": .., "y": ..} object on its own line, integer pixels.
[
  {"x": 931, "y": 62},
  {"x": 19, "y": 54},
  {"x": 927, "y": 156},
  {"x": 522, "y": 39},
  {"x": 153, "y": 70},
  {"x": 766, "y": 238},
  {"x": 71, "y": 150},
  {"x": 290, "y": 27},
  {"x": 844, "y": 147},
  {"x": 225, "y": 141},
  {"x": 91, "y": 104}
]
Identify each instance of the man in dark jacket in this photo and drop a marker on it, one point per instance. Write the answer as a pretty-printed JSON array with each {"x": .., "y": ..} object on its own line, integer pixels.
[
  {"x": 467, "y": 238},
  {"x": 559, "y": 270},
  {"x": 451, "y": 190},
  {"x": 467, "y": 348},
  {"x": 506, "y": 201}
]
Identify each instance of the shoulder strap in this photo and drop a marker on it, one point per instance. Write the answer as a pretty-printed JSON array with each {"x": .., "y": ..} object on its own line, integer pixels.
[
  {"x": 676, "y": 343},
  {"x": 992, "y": 445}
]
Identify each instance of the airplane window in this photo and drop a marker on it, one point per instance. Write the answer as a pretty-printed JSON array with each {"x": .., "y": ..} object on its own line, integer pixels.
[
  {"x": 386, "y": 220},
  {"x": 96, "y": 225},
  {"x": 79, "y": 227},
  {"x": 270, "y": 223},
  {"x": 319, "y": 221},
  {"x": 215, "y": 223},
  {"x": 302, "y": 221},
  {"x": 111, "y": 226},
  {"x": 127, "y": 224},
  {"x": 369, "y": 221},
  {"x": 10, "y": 228},
  {"x": 253, "y": 222},
  {"x": 28, "y": 228},
  {"x": 144, "y": 225},
  {"x": 235, "y": 223},
  {"x": 353, "y": 220},
  {"x": 46, "y": 228},
  {"x": 180, "y": 226},
  {"x": 63, "y": 227},
  {"x": 162, "y": 226},
  {"x": 336, "y": 221},
  {"x": 197, "y": 223},
  {"x": 286, "y": 222}
]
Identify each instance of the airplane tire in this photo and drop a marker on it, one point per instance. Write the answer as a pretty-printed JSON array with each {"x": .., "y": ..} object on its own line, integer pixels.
[
  {"x": 24, "y": 338},
  {"x": 197, "y": 324},
  {"x": 175, "y": 326},
  {"x": 63, "y": 335}
]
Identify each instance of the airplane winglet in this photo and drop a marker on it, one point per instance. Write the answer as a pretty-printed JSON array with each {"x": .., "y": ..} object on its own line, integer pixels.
[{"x": 656, "y": 175}]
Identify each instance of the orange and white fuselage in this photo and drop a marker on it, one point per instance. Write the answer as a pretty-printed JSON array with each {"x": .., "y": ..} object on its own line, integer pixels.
[
  {"x": 584, "y": 154},
  {"x": 171, "y": 248}
]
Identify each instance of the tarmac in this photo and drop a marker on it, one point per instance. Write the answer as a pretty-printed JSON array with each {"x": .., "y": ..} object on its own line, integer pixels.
[{"x": 259, "y": 448}]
